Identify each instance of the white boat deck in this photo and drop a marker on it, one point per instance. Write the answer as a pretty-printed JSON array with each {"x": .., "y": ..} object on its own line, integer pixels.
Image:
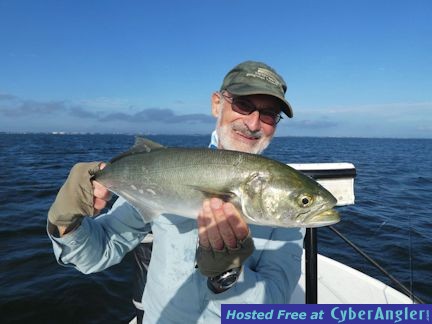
[{"x": 340, "y": 284}]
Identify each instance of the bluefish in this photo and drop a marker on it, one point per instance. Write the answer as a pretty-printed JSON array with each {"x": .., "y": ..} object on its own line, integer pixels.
[{"x": 155, "y": 179}]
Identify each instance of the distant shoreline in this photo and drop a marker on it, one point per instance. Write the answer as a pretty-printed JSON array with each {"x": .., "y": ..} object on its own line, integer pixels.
[{"x": 60, "y": 133}]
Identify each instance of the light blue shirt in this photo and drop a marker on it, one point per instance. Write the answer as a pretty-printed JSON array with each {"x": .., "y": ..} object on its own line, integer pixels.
[{"x": 176, "y": 292}]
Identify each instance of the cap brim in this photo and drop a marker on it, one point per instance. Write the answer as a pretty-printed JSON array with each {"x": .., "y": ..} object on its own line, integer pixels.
[{"x": 244, "y": 91}]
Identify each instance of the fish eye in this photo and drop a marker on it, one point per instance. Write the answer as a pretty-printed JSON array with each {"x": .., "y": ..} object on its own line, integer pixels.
[{"x": 305, "y": 200}]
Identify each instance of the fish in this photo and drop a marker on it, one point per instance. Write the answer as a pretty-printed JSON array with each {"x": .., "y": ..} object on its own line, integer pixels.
[{"x": 157, "y": 180}]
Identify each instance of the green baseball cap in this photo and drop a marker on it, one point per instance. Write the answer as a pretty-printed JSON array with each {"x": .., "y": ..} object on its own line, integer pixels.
[{"x": 250, "y": 77}]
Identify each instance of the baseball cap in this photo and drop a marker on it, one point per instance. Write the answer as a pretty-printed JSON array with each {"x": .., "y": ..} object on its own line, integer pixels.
[{"x": 251, "y": 77}]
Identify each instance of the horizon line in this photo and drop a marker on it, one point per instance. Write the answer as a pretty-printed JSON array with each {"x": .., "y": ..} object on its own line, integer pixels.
[{"x": 197, "y": 134}]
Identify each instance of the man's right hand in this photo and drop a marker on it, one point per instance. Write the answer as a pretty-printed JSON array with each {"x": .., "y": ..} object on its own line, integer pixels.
[
  {"x": 101, "y": 195},
  {"x": 78, "y": 197}
]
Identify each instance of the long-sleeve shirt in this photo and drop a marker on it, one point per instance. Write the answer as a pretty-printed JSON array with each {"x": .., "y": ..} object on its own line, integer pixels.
[{"x": 176, "y": 292}]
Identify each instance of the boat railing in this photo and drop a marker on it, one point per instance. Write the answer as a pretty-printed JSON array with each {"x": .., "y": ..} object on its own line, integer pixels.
[{"x": 338, "y": 178}]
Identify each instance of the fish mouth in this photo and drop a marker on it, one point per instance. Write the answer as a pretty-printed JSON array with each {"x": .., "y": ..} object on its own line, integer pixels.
[{"x": 325, "y": 216}]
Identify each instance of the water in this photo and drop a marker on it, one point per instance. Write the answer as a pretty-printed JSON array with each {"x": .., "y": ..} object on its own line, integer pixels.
[{"x": 393, "y": 202}]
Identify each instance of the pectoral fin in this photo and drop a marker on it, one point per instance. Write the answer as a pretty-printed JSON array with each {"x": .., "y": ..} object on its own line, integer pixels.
[{"x": 211, "y": 193}]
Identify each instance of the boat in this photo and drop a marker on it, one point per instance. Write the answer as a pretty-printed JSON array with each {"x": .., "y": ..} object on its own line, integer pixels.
[
  {"x": 341, "y": 284},
  {"x": 327, "y": 281}
]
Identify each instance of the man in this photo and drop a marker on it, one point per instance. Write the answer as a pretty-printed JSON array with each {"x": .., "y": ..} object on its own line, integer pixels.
[{"x": 234, "y": 262}]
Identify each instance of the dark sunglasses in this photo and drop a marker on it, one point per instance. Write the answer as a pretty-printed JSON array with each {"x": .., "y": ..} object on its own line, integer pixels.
[{"x": 245, "y": 107}]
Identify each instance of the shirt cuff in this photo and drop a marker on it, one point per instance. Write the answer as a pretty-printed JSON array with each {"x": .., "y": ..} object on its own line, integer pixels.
[{"x": 67, "y": 241}]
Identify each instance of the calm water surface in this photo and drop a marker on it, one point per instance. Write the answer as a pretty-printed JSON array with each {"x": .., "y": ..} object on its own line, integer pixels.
[{"x": 391, "y": 219}]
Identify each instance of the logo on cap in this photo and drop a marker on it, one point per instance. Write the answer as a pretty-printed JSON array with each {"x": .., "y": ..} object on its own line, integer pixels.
[{"x": 265, "y": 75}]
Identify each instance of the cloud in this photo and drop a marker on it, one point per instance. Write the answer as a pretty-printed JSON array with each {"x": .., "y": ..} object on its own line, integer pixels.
[
  {"x": 424, "y": 128},
  {"x": 394, "y": 108},
  {"x": 80, "y": 112},
  {"x": 25, "y": 108},
  {"x": 161, "y": 115},
  {"x": 6, "y": 96},
  {"x": 313, "y": 124},
  {"x": 105, "y": 103}
]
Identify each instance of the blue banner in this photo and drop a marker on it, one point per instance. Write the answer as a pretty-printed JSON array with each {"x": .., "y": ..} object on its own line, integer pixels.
[{"x": 331, "y": 313}]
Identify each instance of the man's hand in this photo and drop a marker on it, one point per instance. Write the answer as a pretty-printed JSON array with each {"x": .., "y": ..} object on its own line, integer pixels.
[
  {"x": 101, "y": 195},
  {"x": 220, "y": 224},
  {"x": 79, "y": 196},
  {"x": 224, "y": 238}
]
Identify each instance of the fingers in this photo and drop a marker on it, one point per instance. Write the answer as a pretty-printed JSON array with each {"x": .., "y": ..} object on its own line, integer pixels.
[
  {"x": 208, "y": 228},
  {"x": 222, "y": 233},
  {"x": 99, "y": 191},
  {"x": 220, "y": 224},
  {"x": 101, "y": 195},
  {"x": 202, "y": 230},
  {"x": 236, "y": 221},
  {"x": 218, "y": 230}
]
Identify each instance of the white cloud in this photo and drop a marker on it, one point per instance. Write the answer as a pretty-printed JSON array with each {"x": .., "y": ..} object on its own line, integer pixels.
[
  {"x": 399, "y": 107},
  {"x": 105, "y": 103}
]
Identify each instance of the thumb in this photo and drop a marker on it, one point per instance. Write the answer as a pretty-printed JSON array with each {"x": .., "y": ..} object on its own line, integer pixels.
[{"x": 95, "y": 168}]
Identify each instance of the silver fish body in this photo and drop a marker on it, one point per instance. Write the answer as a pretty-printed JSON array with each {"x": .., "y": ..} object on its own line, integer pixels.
[{"x": 157, "y": 180}]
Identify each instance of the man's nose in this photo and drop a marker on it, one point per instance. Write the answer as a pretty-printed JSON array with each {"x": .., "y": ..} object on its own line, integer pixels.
[{"x": 252, "y": 121}]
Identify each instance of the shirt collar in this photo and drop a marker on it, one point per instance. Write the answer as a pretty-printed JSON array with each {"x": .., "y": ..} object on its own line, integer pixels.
[{"x": 214, "y": 140}]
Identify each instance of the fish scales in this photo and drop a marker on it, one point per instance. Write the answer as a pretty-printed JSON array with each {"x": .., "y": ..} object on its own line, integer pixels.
[{"x": 177, "y": 180}]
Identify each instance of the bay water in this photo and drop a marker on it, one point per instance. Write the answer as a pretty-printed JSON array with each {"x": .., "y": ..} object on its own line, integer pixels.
[{"x": 391, "y": 219}]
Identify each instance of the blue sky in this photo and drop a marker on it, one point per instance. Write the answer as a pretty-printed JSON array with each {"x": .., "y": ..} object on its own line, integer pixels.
[{"x": 353, "y": 68}]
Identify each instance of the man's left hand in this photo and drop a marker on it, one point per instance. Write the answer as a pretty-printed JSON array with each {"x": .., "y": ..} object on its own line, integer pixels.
[
  {"x": 220, "y": 224},
  {"x": 224, "y": 238}
]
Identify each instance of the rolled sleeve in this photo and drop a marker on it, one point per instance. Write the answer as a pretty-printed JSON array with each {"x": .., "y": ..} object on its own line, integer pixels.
[{"x": 101, "y": 242}]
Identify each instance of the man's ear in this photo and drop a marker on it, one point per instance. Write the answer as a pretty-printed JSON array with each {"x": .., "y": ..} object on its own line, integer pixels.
[{"x": 216, "y": 104}]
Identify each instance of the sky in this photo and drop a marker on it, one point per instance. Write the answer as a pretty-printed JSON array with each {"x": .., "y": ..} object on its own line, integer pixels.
[{"x": 358, "y": 68}]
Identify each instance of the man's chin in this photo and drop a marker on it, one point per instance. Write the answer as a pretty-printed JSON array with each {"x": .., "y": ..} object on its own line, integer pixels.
[
  {"x": 247, "y": 146},
  {"x": 231, "y": 138}
]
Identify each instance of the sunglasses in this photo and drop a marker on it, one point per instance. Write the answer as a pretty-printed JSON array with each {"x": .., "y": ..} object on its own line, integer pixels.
[{"x": 245, "y": 107}]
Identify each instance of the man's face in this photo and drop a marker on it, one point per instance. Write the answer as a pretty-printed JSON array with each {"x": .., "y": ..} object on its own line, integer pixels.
[{"x": 245, "y": 133}]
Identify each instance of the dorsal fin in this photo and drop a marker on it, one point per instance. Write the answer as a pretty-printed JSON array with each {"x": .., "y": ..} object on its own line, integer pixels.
[
  {"x": 142, "y": 145},
  {"x": 145, "y": 145}
]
